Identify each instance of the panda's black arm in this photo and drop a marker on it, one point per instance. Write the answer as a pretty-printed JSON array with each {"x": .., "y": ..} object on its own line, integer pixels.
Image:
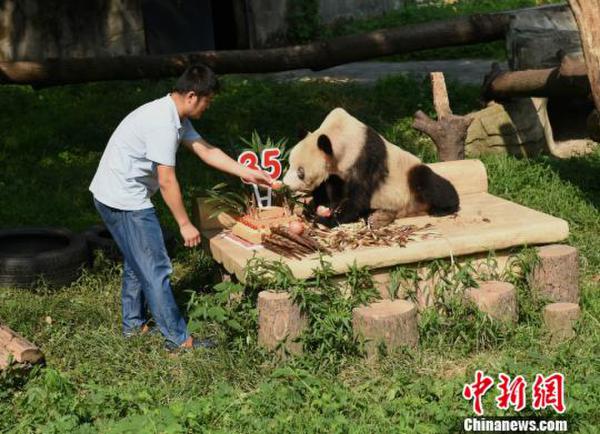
[
  {"x": 355, "y": 203},
  {"x": 348, "y": 211}
]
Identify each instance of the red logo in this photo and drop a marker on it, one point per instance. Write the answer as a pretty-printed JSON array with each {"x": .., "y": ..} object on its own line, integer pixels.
[
  {"x": 477, "y": 390},
  {"x": 546, "y": 392},
  {"x": 549, "y": 391},
  {"x": 511, "y": 392}
]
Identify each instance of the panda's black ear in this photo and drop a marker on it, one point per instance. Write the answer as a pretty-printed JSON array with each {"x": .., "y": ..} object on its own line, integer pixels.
[
  {"x": 324, "y": 144},
  {"x": 301, "y": 133}
]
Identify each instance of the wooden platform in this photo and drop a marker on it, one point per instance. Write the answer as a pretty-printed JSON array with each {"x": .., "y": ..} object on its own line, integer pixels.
[{"x": 484, "y": 222}]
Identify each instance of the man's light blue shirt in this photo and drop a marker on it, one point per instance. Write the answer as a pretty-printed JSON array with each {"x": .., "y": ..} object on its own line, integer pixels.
[{"x": 126, "y": 178}]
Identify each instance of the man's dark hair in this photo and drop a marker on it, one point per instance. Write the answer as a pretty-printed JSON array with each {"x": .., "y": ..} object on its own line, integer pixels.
[{"x": 197, "y": 78}]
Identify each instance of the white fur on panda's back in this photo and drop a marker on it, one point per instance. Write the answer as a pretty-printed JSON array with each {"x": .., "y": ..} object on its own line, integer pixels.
[
  {"x": 344, "y": 129},
  {"x": 394, "y": 193}
]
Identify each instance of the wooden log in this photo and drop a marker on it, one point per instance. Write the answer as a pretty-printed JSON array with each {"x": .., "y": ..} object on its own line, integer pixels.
[
  {"x": 393, "y": 323},
  {"x": 21, "y": 349},
  {"x": 559, "y": 319},
  {"x": 449, "y": 131},
  {"x": 556, "y": 276},
  {"x": 280, "y": 322},
  {"x": 587, "y": 16},
  {"x": 568, "y": 80},
  {"x": 497, "y": 299},
  {"x": 317, "y": 55},
  {"x": 5, "y": 357}
]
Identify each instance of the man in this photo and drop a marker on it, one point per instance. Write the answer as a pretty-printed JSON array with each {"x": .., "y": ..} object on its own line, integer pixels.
[{"x": 138, "y": 161}]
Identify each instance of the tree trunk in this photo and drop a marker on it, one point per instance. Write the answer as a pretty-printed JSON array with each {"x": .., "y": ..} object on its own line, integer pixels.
[
  {"x": 318, "y": 55},
  {"x": 569, "y": 79},
  {"x": 587, "y": 15},
  {"x": 449, "y": 131}
]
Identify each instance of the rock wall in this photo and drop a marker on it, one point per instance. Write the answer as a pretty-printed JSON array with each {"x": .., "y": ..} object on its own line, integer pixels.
[
  {"x": 332, "y": 10},
  {"x": 269, "y": 17},
  {"x": 38, "y": 29},
  {"x": 536, "y": 35},
  {"x": 267, "y": 22}
]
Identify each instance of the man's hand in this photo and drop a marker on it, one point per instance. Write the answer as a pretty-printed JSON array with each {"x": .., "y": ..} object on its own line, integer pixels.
[
  {"x": 190, "y": 235},
  {"x": 256, "y": 177}
]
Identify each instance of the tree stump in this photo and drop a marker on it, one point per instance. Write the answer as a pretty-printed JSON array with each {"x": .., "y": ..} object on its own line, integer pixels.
[
  {"x": 556, "y": 276},
  {"x": 279, "y": 322},
  {"x": 20, "y": 348},
  {"x": 497, "y": 299},
  {"x": 393, "y": 323},
  {"x": 559, "y": 319}
]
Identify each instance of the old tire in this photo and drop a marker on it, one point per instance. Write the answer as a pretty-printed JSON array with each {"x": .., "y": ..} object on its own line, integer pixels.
[
  {"x": 55, "y": 255},
  {"x": 99, "y": 238}
]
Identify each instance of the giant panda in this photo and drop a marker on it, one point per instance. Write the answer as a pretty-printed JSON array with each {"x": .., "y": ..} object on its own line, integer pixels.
[{"x": 374, "y": 179}]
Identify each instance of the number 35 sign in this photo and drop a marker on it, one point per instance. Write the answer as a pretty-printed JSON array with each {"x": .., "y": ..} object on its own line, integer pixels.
[{"x": 269, "y": 161}]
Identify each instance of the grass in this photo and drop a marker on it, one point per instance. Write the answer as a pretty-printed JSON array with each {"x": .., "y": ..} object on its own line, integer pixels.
[
  {"x": 95, "y": 381},
  {"x": 413, "y": 14}
]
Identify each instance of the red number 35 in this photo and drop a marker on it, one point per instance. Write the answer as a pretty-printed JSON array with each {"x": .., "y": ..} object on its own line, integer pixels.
[{"x": 268, "y": 161}]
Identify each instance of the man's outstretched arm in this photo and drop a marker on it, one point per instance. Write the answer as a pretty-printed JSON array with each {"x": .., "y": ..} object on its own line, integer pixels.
[{"x": 218, "y": 159}]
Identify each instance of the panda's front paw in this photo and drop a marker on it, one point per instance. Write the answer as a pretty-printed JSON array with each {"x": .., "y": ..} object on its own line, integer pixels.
[
  {"x": 326, "y": 221},
  {"x": 381, "y": 218}
]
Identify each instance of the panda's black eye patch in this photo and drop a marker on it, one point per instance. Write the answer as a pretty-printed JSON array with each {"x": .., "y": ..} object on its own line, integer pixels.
[{"x": 300, "y": 173}]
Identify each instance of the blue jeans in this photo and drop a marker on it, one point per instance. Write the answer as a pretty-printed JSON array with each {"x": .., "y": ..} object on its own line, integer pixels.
[{"x": 146, "y": 271}]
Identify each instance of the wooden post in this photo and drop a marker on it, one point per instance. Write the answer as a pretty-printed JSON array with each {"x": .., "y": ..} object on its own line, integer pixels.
[
  {"x": 449, "y": 131},
  {"x": 441, "y": 102}
]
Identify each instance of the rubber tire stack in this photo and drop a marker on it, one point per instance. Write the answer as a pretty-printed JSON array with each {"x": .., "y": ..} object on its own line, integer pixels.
[
  {"x": 99, "y": 238},
  {"x": 27, "y": 255}
]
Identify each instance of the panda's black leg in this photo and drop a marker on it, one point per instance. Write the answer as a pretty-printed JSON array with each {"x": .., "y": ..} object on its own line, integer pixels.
[{"x": 433, "y": 190}]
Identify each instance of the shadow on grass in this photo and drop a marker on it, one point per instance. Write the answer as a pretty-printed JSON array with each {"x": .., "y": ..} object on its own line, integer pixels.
[
  {"x": 200, "y": 274},
  {"x": 582, "y": 172}
]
